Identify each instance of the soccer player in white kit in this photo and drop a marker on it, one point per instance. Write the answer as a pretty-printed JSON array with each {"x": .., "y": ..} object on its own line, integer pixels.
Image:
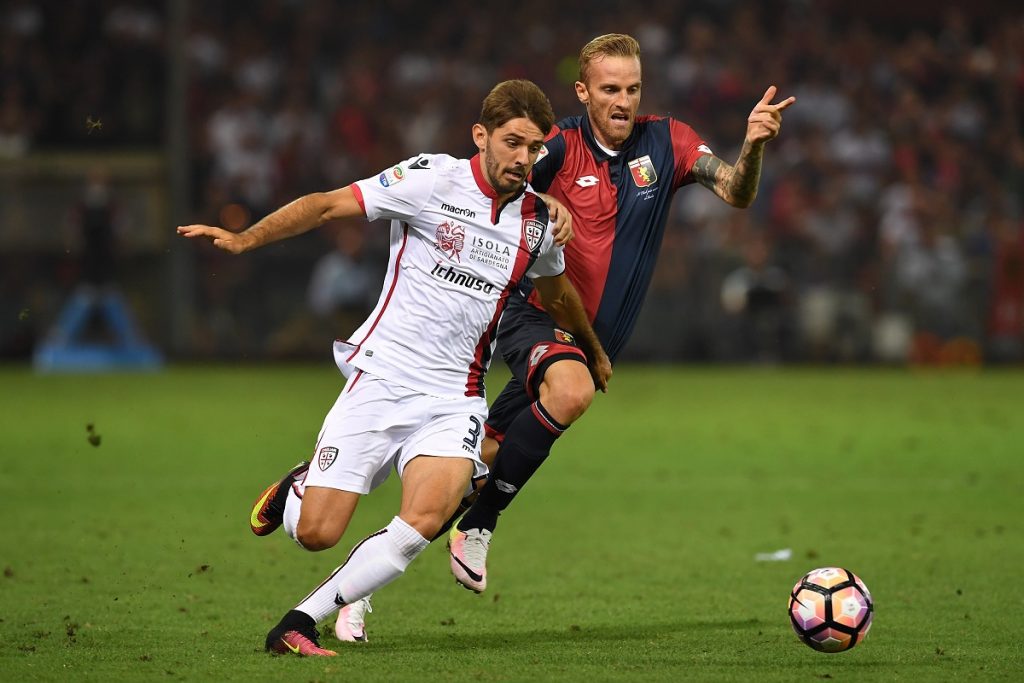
[{"x": 464, "y": 232}]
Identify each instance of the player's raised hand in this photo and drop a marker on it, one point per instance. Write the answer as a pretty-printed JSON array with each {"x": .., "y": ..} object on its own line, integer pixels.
[
  {"x": 221, "y": 238},
  {"x": 765, "y": 119},
  {"x": 560, "y": 218}
]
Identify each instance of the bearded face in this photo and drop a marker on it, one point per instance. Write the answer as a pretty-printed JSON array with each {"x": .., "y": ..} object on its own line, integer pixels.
[
  {"x": 506, "y": 176},
  {"x": 612, "y": 97},
  {"x": 508, "y": 153}
]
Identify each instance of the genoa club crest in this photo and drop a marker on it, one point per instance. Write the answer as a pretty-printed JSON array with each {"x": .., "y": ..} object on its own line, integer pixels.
[
  {"x": 643, "y": 171},
  {"x": 328, "y": 454},
  {"x": 564, "y": 337},
  {"x": 533, "y": 233}
]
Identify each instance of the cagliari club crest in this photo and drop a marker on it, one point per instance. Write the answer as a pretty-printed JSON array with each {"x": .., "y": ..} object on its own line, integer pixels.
[
  {"x": 643, "y": 171},
  {"x": 533, "y": 233},
  {"x": 451, "y": 237},
  {"x": 328, "y": 454}
]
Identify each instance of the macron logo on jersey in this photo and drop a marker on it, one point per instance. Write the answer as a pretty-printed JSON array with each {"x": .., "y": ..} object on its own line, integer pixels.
[
  {"x": 587, "y": 181},
  {"x": 458, "y": 210}
]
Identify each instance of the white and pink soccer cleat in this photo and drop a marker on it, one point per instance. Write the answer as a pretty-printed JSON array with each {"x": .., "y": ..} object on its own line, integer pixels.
[
  {"x": 351, "y": 625},
  {"x": 468, "y": 550}
]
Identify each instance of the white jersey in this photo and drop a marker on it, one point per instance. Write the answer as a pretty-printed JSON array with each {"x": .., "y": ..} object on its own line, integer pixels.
[{"x": 456, "y": 254}]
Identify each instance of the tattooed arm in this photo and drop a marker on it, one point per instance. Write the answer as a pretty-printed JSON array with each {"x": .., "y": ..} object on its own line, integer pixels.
[{"x": 737, "y": 184}]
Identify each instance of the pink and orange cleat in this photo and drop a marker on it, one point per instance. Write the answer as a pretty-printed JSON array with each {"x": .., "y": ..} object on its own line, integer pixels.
[
  {"x": 268, "y": 511},
  {"x": 300, "y": 644}
]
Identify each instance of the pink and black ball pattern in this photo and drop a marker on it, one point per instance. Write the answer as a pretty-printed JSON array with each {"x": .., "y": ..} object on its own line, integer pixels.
[{"x": 831, "y": 609}]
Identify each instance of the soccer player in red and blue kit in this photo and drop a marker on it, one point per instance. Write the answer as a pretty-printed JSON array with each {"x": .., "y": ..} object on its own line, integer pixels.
[{"x": 616, "y": 172}]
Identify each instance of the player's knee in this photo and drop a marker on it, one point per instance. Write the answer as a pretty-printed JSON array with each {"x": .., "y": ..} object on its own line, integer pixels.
[
  {"x": 315, "y": 536},
  {"x": 575, "y": 402},
  {"x": 569, "y": 396}
]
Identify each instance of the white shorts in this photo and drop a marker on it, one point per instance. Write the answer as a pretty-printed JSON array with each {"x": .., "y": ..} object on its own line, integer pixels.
[{"x": 376, "y": 424}]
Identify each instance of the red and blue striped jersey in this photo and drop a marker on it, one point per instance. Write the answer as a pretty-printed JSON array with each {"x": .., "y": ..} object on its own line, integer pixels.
[{"x": 619, "y": 206}]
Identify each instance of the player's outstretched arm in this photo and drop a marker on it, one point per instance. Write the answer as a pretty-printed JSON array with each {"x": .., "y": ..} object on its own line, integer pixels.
[
  {"x": 301, "y": 215},
  {"x": 563, "y": 304},
  {"x": 737, "y": 184}
]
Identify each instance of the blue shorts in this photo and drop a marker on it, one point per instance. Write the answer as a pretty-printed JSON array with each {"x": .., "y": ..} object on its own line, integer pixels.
[{"x": 529, "y": 341}]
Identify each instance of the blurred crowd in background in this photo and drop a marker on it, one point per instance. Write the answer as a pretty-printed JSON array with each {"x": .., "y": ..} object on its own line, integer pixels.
[{"x": 889, "y": 225}]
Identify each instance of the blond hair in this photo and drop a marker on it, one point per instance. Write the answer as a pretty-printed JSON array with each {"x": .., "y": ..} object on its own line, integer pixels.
[{"x": 608, "y": 45}]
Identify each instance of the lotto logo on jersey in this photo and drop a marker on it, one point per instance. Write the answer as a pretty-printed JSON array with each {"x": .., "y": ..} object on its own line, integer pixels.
[
  {"x": 392, "y": 176},
  {"x": 533, "y": 233},
  {"x": 643, "y": 171},
  {"x": 451, "y": 237}
]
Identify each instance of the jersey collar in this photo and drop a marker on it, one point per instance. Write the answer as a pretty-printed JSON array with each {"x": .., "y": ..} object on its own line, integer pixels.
[
  {"x": 478, "y": 175},
  {"x": 599, "y": 154},
  {"x": 489, "y": 192}
]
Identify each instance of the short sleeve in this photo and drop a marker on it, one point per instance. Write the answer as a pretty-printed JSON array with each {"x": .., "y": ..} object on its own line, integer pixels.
[
  {"x": 399, "y": 192},
  {"x": 551, "y": 259},
  {"x": 687, "y": 147},
  {"x": 549, "y": 161}
]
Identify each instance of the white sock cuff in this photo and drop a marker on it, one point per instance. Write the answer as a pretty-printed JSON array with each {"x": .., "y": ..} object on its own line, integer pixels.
[
  {"x": 406, "y": 539},
  {"x": 292, "y": 511}
]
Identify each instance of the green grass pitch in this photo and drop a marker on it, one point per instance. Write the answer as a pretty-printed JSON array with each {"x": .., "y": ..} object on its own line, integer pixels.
[{"x": 629, "y": 558}]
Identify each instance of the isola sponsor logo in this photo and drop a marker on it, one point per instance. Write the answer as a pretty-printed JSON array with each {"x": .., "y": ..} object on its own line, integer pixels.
[
  {"x": 449, "y": 274},
  {"x": 491, "y": 245},
  {"x": 458, "y": 210},
  {"x": 490, "y": 252}
]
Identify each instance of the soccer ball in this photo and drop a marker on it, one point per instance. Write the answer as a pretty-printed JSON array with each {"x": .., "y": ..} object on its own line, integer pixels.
[{"x": 830, "y": 609}]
